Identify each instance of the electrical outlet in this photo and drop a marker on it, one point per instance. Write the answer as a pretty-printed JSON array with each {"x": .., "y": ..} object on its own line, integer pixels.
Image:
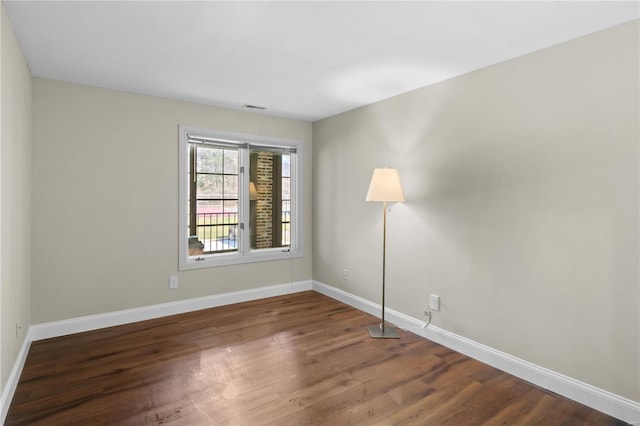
[
  {"x": 173, "y": 282},
  {"x": 18, "y": 327},
  {"x": 434, "y": 302},
  {"x": 345, "y": 275}
]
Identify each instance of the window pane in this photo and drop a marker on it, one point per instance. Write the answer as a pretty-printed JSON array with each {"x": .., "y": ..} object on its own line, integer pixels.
[
  {"x": 230, "y": 161},
  {"x": 286, "y": 188},
  {"x": 219, "y": 233},
  {"x": 209, "y": 186},
  {"x": 209, "y": 206},
  {"x": 286, "y": 166},
  {"x": 270, "y": 224},
  {"x": 209, "y": 159},
  {"x": 230, "y": 186},
  {"x": 286, "y": 233},
  {"x": 207, "y": 212},
  {"x": 231, "y": 206}
]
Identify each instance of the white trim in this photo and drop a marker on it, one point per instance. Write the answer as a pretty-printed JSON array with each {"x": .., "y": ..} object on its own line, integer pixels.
[
  {"x": 591, "y": 396},
  {"x": 14, "y": 377},
  {"x": 401, "y": 320},
  {"x": 110, "y": 319}
]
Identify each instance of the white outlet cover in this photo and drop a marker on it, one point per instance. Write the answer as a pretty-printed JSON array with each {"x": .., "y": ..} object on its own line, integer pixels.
[
  {"x": 173, "y": 282},
  {"x": 434, "y": 302}
]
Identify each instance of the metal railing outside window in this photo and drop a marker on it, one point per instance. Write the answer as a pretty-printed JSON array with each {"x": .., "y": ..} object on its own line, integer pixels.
[{"x": 218, "y": 232}]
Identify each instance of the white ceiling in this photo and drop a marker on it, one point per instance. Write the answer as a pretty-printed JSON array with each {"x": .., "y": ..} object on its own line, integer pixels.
[{"x": 303, "y": 60}]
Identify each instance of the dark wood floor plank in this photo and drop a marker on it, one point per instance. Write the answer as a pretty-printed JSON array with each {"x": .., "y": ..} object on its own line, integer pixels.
[{"x": 301, "y": 359}]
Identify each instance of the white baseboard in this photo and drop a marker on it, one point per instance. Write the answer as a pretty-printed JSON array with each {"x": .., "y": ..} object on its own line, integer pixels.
[
  {"x": 95, "y": 322},
  {"x": 110, "y": 319},
  {"x": 14, "y": 377},
  {"x": 591, "y": 396}
]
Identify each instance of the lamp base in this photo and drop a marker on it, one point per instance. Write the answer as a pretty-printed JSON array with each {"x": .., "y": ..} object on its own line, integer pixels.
[{"x": 375, "y": 332}]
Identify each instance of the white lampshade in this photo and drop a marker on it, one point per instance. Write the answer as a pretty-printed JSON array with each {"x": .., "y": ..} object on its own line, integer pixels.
[{"x": 385, "y": 186}]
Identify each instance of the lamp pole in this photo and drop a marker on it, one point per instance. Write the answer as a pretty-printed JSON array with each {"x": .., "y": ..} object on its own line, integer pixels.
[{"x": 384, "y": 256}]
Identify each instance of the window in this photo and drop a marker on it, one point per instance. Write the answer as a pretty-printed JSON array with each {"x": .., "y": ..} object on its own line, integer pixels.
[
  {"x": 270, "y": 207},
  {"x": 213, "y": 198},
  {"x": 240, "y": 198}
]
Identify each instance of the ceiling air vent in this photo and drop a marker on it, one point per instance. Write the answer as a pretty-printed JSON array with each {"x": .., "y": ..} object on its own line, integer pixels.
[{"x": 249, "y": 106}]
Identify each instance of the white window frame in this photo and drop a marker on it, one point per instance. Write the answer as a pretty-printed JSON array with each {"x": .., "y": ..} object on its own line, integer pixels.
[{"x": 244, "y": 254}]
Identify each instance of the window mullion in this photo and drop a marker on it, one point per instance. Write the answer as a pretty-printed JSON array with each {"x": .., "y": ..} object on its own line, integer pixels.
[{"x": 244, "y": 204}]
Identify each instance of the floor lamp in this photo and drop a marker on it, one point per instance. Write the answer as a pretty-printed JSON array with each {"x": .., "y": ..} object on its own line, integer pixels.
[{"x": 385, "y": 186}]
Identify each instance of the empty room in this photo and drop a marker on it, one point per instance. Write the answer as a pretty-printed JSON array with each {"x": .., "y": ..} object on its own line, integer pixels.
[{"x": 320, "y": 213}]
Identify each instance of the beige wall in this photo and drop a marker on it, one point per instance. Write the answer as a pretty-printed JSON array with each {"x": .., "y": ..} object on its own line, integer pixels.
[
  {"x": 522, "y": 194},
  {"x": 105, "y": 201},
  {"x": 15, "y": 199}
]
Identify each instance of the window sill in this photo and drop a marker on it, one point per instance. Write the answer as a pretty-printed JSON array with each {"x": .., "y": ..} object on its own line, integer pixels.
[{"x": 226, "y": 259}]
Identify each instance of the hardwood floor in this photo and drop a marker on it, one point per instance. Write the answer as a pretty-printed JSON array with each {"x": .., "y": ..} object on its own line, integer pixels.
[{"x": 301, "y": 359}]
